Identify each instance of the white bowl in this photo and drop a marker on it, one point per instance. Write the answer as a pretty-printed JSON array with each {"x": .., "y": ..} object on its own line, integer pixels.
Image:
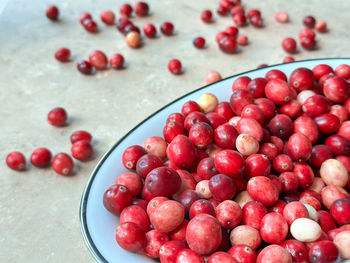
[{"x": 97, "y": 224}]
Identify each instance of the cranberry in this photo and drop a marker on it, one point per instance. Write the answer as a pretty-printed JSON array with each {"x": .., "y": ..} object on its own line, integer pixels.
[
  {"x": 199, "y": 42},
  {"x": 155, "y": 145},
  {"x": 241, "y": 83},
  {"x": 131, "y": 155},
  {"x": 62, "y": 54},
  {"x": 222, "y": 10},
  {"x": 80, "y": 136},
  {"x": 16, "y": 161},
  {"x": 242, "y": 40},
  {"x": 57, "y": 117},
  {"x": 132, "y": 181},
  {"x": 247, "y": 144},
  {"x": 239, "y": 99},
  {"x": 278, "y": 91},
  {"x": 203, "y": 234},
  {"x": 316, "y": 105},
  {"x": 169, "y": 250},
  {"x": 167, "y": 28},
  {"x": 229, "y": 162},
  {"x": 201, "y": 206},
  {"x": 141, "y": 8},
  {"x": 98, "y": 59},
  {"x": 336, "y": 89},
  {"x": 307, "y": 126},
  {"x": 342, "y": 241},
  {"x": 193, "y": 118},
  {"x": 305, "y": 230},
  {"x": 256, "y": 21},
  {"x": 221, "y": 257},
  {"x": 84, "y": 67},
  {"x": 163, "y": 176},
  {"x": 141, "y": 203},
  {"x": 84, "y": 16},
  {"x": 52, "y": 12},
  {"x": 308, "y": 43},
  {"x": 174, "y": 66},
  {"x": 206, "y": 16},
  {"x": 319, "y": 154},
  {"x": 257, "y": 165},
  {"x": 133, "y": 39},
  {"x": 267, "y": 106},
  {"x": 262, "y": 189},
  {"x": 342, "y": 71},
  {"x": 297, "y": 250},
  {"x": 149, "y": 30},
  {"x": 154, "y": 241},
  {"x": 299, "y": 147},
  {"x": 212, "y": 76},
  {"x": 289, "y": 45},
  {"x": 229, "y": 214},
  {"x": 321, "y": 26},
  {"x": 182, "y": 151},
  {"x": 294, "y": 210},
  {"x": 122, "y": 23},
  {"x": 328, "y": 123},
  {"x": 239, "y": 19},
  {"x": 245, "y": 235},
  {"x": 228, "y": 44},
  {"x": 274, "y": 254},
  {"x": 225, "y": 136},
  {"x": 309, "y": 21},
  {"x": 222, "y": 187},
  {"x": 172, "y": 129},
  {"x": 243, "y": 254},
  {"x": 40, "y": 157},
  {"x": 81, "y": 150},
  {"x": 125, "y": 10},
  {"x": 250, "y": 126},
  {"x": 232, "y": 31},
  {"x": 288, "y": 59},
  {"x": 337, "y": 143},
  {"x": 90, "y": 25},
  {"x": 108, "y": 17},
  {"x": 281, "y": 126},
  {"x": 326, "y": 221},
  {"x": 237, "y": 10},
  {"x": 206, "y": 168},
  {"x": 273, "y": 228},
  {"x": 340, "y": 211},
  {"x": 62, "y": 163},
  {"x": 220, "y": 36},
  {"x": 330, "y": 193},
  {"x": 189, "y": 256},
  {"x": 137, "y": 215},
  {"x": 130, "y": 236},
  {"x": 323, "y": 251},
  {"x": 302, "y": 79},
  {"x": 116, "y": 61},
  {"x": 253, "y": 212},
  {"x": 304, "y": 173},
  {"x": 321, "y": 70},
  {"x": 283, "y": 163},
  {"x": 207, "y": 102},
  {"x": 278, "y": 207},
  {"x": 340, "y": 112},
  {"x": 215, "y": 119},
  {"x": 189, "y": 106},
  {"x": 282, "y": 17},
  {"x": 275, "y": 74},
  {"x": 178, "y": 117}
]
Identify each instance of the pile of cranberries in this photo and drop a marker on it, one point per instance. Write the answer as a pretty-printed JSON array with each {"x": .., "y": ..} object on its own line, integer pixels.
[
  {"x": 61, "y": 163},
  {"x": 263, "y": 177}
]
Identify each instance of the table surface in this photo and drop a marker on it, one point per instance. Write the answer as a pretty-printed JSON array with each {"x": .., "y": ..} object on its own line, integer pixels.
[{"x": 39, "y": 209}]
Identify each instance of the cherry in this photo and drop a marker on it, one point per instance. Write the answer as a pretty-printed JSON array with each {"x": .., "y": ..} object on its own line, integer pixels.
[
  {"x": 52, "y": 12},
  {"x": 125, "y": 10},
  {"x": 57, "y": 116},
  {"x": 16, "y": 161},
  {"x": 84, "y": 67},
  {"x": 62, "y": 163},
  {"x": 141, "y": 8},
  {"x": 323, "y": 251},
  {"x": 174, "y": 66},
  {"x": 130, "y": 236},
  {"x": 167, "y": 28},
  {"x": 40, "y": 157},
  {"x": 289, "y": 45}
]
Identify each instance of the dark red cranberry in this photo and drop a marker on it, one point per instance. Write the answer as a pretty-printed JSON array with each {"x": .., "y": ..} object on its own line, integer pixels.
[
  {"x": 187, "y": 198},
  {"x": 161, "y": 176},
  {"x": 206, "y": 16},
  {"x": 90, "y": 25},
  {"x": 215, "y": 119},
  {"x": 167, "y": 28},
  {"x": 225, "y": 136},
  {"x": 309, "y": 21},
  {"x": 141, "y": 8},
  {"x": 122, "y": 24},
  {"x": 290, "y": 182},
  {"x": 323, "y": 251},
  {"x": 149, "y": 30},
  {"x": 222, "y": 187},
  {"x": 281, "y": 126},
  {"x": 206, "y": 169},
  {"x": 199, "y": 42},
  {"x": 52, "y": 12},
  {"x": 228, "y": 44},
  {"x": 57, "y": 116},
  {"x": 84, "y": 67},
  {"x": 147, "y": 163},
  {"x": 319, "y": 154},
  {"x": 62, "y": 54},
  {"x": 125, "y": 10},
  {"x": 338, "y": 144}
]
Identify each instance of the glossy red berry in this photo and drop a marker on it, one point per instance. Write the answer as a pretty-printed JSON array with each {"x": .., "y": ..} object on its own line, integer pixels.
[
  {"x": 84, "y": 67},
  {"x": 84, "y": 16},
  {"x": 125, "y": 10},
  {"x": 289, "y": 45},
  {"x": 52, "y": 12},
  {"x": 90, "y": 25},
  {"x": 228, "y": 44},
  {"x": 80, "y": 136},
  {"x": 141, "y": 8},
  {"x": 62, "y": 54},
  {"x": 309, "y": 21},
  {"x": 62, "y": 163},
  {"x": 199, "y": 42},
  {"x": 98, "y": 59},
  {"x": 167, "y": 28},
  {"x": 16, "y": 161},
  {"x": 206, "y": 16},
  {"x": 116, "y": 198},
  {"x": 116, "y": 61},
  {"x": 108, "y": 17},
  {"x": 57, "y": 116},
  {"x": 40, "y": 157},
  {"x": 174, "y": 66},
  {"x": 149, "y": 30},
  {"x": 81, "y": 150}
]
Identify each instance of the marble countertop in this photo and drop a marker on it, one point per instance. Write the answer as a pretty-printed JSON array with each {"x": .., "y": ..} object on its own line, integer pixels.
[{"x": 39, "y": 209}]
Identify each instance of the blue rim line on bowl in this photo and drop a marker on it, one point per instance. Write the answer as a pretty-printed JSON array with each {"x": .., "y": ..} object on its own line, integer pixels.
[{"x": 82, "y": 211}]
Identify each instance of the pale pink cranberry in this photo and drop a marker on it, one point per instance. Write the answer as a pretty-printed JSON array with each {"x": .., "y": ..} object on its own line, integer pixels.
[
  {"x": 155, "y": 145},
  {"x": 154, "y": 203},
  {"x": 321, "y": 26},
  {"x": 203, "y": 234},
  {"x": 282, "y": 17},
  {"x": 245, "y": 235},
  {"x": 212, "y": 76},
  {"x": 207, "y": 102},
  {"x": 333, "y": 172},
  {"x": 202, "y": 187},
  {"x": 317, "y": 185},
  {"x": 167, "y": 216},
  {"x": 342, "y": 241},
  {"x": 133, "y": 39},
  {"x": 247, "y": 144},
  {"x": 273, "y": 228},
  {"x": 242, "y": 198},
  {"x": 16, "y": 161},
  {"x": 250, "y": 126}
]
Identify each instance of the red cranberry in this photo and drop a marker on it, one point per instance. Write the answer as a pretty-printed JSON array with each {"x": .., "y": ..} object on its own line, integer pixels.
[
  {"x": 141, "y": 203},
  {"x": 292, "y": 109},
  {"x": 282, "y": 17},
  {"x": 81, "y": 150},
  {"x": 319, "y": 154},
  {"x": 283, "y": 163},
  {"x": 278, "y": 91},
  {"x": 182, "y": 151},
  {"x": 256, "y": 21},
  {"x": 336, "y": 89},
  {"x": 149, "y": 30},
  {"x": 229, "y": 214},
  {"x": 302, "y": 79},
  {"x": 98, "y": 59},
  {"x": 222, "y": 187},
  {"x": 215, "y": 119},
  {"x": 267, "y": 106},
  {"x": 253, "y": 212},
  {"x": 206, "y": 16},
  {"x": 154, "y": 241},
  {"x": 108, "y": 17},
  {"x": 57, "y": 117},
  {"x": 40, "y": 157},
  {"x": 297, "y": 250},
  {"x": 84, "y": 16},
  {"x": 201, "y": 134},
  {"x": 52, "y": 12},
  {"x": 80, "y": 136},
  {"x": 242, "y": 40},
  {"x": 338, "y": 144},
  {"x": 257, "y": 165},
  {"x": 62, "y": 163},
  {"x": 125, "y": 10},
  {"x": 321, "y": 26},
  {"x": 340, "y": 112},
  {"x": 137, "y": 215},
  {"x": 288, "y": 59},
  {"x": 253, "y": 111},
  {"x": 321, "y": 70},
  {"x": 193, "y": 118},
  {"x": 253, "y": 12},
  {"x": 167, "y": 28},
  {"x": 90, "y": 25},
  {"x": 261, "y": 189},
  {"x": 294, "y": 210},
  {"x": 84, "y": 67},
  {"x": 309, "y": 21},
  {"x": 281, "y": 126},
  {"x": 308, "y": 43},
  {"x": 16, "y": 161},
  {"x": 130, "y": 236},
  {"x": 250, "y": 126},
  {"x": 132, "y": 181},
  {"x": 189, "y": 256},
  {"x": 273, "y": 228},
  {"x": 174, "y": 66},
  {"x": 222, "y": 10},
  {"x": 62, "y": 54},
  {"x": 243, "y": 254},
  {"x": 275, "y": 74},
  {"x": 225, "y": 136},
  {"x": 141, "y": 8},
  {"x": 274, "y": 254},
  {"x": 241, "y": 83},
  {"x": 220, "y": 36},
  {"x": 278, "y": 143},
  {"x": 340, "y": 211},
  {"x": 326, "y": 221},
  {"x": 229, "y": 162},
  {"x": 239, "y": 20},
  {"x": 316, "y": 105},
  {"x": 306, "y": 33},
  {"x": 232, "y": 31},
  {"x": 224, "y": 109},
  {"x": 116, "y": 61},
  {"x": 278, "y": 207},
  {"x": 237, "y": 10},
  {"x": 201, "y": 206},
  {"x": 323, "y": 251},
  {"x": 327, "y": 123},
  {"x": 172, "y": 129},
  {"x": 122, "y": 24},
  {"x": 270, "y": 150},
  {"x": 160, "y": 177},
  {"x": 289, "y": 182},
  {"x": 131, "y": 155},
  {"x": 304, "y": 173},
  {"x": 169, "y": 250},
  {"x": 299, "y": 147},
  {"x": 179, "y": 234},
  {"x": 189, "y": 106},
  {"x": 228, "y": 44},
  {"x": 239, "y": 99},
  {"x": 206, "y": 169},
  {"x": 199, "y": 42},
  {"x": 289, "y": 45},
  {"x": 342, "y": 71},
  {"x": 257, "y": 87},
  {"x": 307, "y": 126}
]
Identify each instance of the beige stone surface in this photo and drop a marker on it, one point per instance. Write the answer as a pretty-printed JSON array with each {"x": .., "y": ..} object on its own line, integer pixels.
[{"x": 39, "y": 219}]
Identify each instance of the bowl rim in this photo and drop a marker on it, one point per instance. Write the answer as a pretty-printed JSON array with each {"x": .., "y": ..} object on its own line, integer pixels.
[{"x": 83, "y": 203}]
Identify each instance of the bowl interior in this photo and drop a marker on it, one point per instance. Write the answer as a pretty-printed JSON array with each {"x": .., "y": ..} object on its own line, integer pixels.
[{"x": 97, "y": 224}]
